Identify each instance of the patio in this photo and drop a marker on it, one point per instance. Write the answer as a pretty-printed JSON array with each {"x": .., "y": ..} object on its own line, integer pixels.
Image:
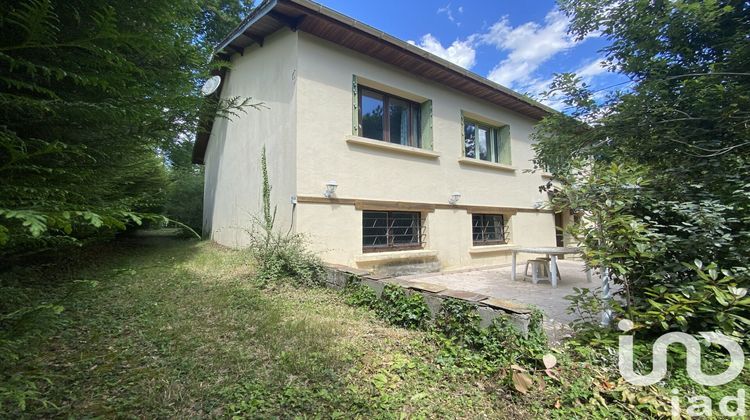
[{"x": 496, "y": 282}]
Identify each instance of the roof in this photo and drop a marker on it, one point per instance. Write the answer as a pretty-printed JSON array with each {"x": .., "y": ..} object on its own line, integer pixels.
[{"x": 325, "y": 23}]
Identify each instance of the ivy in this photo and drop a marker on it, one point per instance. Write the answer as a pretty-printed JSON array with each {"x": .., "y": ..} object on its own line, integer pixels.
[
  {"x": 456, "y": 328},
  {"x": 402, "y": 309}
]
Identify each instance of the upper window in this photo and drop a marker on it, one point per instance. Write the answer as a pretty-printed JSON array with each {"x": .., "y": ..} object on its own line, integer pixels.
[
  {"x": 386, "y": 117},
  {"x": 485, "y": 142},
  {"x": 488, "y": 229},
  {"x": 389, "y": 230}
]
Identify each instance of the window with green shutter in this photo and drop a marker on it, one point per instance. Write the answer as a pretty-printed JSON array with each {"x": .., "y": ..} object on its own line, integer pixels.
[
  {"x": 486, "y": 142},
  {"x": 380, "y": 115}
]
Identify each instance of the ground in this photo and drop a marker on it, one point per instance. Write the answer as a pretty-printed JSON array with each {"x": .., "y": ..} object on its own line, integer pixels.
[
  {"x": 161, "y": 327},
  {"x": 496, "y": 282}
]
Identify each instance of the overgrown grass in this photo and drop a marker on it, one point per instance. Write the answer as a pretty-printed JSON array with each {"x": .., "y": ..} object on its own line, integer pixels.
[{"x": 159, "y": 327}]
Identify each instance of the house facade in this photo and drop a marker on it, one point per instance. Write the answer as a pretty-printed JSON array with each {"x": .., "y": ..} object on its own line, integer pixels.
[{"x": 386, "y": 157}]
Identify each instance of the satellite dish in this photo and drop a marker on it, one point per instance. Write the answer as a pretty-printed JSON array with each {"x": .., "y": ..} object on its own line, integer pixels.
[{"x": 211, "y": 85}]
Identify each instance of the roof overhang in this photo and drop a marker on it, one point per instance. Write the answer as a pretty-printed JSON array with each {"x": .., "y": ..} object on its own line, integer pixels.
[{"x": 322, "y": 22}]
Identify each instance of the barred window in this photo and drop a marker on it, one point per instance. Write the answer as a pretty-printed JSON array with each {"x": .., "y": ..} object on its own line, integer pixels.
[
  {"x": 488, "y": 229},
  {"x": 390, "y": 230}
]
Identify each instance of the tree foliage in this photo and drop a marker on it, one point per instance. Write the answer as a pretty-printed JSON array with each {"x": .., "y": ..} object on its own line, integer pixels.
[
  {"x": 683, "y": 123},
  {"x": 89, "y": 93}
]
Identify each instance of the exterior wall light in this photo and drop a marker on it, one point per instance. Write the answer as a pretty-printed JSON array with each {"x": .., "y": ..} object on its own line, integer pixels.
[
  {"x": 330, "y": 189},
  {"x": 454, "y": 198}
]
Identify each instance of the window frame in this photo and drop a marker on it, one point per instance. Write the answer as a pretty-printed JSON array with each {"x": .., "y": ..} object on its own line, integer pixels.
[
  {"x": 494, "y": 146},
  {"x": 489, "y": 242},
  {"x": 413, "y": 105},
  {"x": 390, "y": 244}
]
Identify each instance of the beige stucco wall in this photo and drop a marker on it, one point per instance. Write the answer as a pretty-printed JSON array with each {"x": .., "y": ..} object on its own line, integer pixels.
[
  {"x": 324, "y": 118},
  {"x": 232, "y": 194}
]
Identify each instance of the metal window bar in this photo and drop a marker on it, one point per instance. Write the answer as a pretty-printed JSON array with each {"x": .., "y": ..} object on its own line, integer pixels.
[
  {"x": 489, "y": 229},
  {"x": 383, "y": 230}
]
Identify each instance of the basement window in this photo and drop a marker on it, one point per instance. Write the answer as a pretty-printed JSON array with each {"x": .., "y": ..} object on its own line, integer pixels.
[
  {"x": 391, "y": 230},
  {"x": 488, "y": 229}
]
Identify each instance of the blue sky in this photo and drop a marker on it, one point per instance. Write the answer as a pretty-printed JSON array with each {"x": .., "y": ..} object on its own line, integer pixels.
[{"x": 519, "y": 44}]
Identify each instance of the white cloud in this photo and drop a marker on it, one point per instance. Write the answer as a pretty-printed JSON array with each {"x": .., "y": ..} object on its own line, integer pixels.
[
  {"x": 587, "y": 72},
  {"x": 461, "y": 53},
  {"x": 528, "y": 45},
  {"x": 591, "y": 70},
  {"x": 449, "y": 13}
]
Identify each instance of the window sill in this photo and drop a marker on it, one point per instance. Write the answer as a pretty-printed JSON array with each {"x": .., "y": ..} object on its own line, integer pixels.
[
  {"x": 396, "y": 255},
  {"x": 485, "y": 164},
  {"x": 396, "y": 148},
  {"x": 491, "y": 248}
]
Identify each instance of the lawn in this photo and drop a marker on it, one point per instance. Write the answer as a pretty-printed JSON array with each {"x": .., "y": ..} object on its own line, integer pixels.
[{"x": 156, "y": 326}]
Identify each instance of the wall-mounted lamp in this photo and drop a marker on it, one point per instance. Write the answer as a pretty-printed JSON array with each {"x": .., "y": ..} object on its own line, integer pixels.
[
  {"x": 330, "y": 189},
  {"x": 454, "y": 198},
  {"x": 538, "y": 204}
]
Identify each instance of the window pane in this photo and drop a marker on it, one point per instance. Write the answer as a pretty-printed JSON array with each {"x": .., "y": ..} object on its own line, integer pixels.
[
  {"x": 490, "y": 229},
  {"x": 469, "y": 139},
  {"x": 374, "y": 228},
  {"x": 405, "y": 228},
  {"x": 372, "y": 115},
  {"x": 487, "y": 228},
  {"x": 476, "y": 227},
  {"x": 482, "y": 143},
  {"x": 399, "y": 120}
]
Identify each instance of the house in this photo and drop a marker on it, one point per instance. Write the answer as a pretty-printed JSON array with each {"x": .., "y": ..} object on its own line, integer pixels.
[{"x": 386, "y": 156}]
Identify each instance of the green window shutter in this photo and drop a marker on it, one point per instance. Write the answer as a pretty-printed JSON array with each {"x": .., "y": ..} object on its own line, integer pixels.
[
  {"x": 355, "y": 106},
  {"x": 462, "y": 135},
  {"x": 504, "y": 145},
  {"x": 425, "y": 112}
]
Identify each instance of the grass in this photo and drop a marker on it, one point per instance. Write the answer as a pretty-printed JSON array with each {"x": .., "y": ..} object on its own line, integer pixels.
[{"x": 160, "y": 327}]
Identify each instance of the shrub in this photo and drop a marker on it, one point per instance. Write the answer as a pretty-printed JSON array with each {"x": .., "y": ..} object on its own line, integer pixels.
[
  {"x": 281, "y": 255},
  {"x": 285, "y": 256},
  {"x": 358, "y": 294},
  {"x": 459, "y": 321},
  {"x": 184, "y": 197},
  {"x": 408, "y": 311}
]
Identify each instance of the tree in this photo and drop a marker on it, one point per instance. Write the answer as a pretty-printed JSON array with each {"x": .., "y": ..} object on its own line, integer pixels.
[
  {"x": 684, "y": 120},
  {"x": 90, "y": 92}
]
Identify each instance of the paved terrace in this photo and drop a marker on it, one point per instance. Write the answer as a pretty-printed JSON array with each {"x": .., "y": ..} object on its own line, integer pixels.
[{"x": 496, "y": 282}]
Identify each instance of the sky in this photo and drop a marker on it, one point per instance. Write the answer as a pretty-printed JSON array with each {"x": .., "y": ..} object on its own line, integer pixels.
[{"x": 518, "y": 44}]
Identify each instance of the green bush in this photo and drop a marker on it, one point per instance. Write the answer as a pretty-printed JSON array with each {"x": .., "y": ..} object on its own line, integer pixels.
[
  {"x": 459, "y": 321},
  {"x": 659, "y": 179},
  {"x": 408, "y": 311},
  {"x": 282, "y": 256},
  {"x": 184, "y": 197},
  {"x": 358, "y": 294},
  {"x": 279, "y": 255}
]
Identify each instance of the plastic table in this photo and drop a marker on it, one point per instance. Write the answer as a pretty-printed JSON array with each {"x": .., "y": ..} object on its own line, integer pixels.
[{"x": 552, "y": 252}]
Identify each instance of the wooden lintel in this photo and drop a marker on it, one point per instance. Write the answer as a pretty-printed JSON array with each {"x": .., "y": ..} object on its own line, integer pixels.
[
  {"x": 292, "y": 23},
  {"x": 365, "y": 204},
  {"x": 393, "y": 205}
]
